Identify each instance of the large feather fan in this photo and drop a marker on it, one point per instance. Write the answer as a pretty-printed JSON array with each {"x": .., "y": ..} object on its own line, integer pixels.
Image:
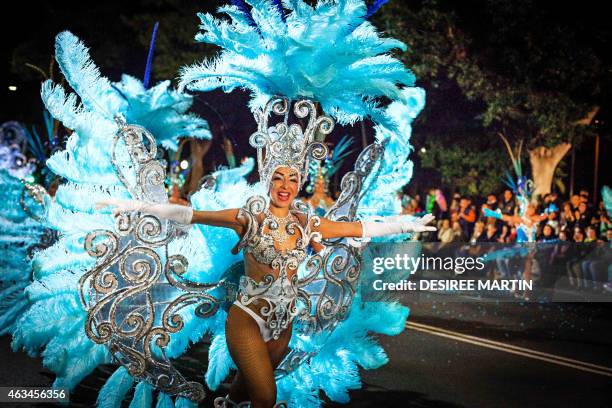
[{"x": 85, "y": 165}]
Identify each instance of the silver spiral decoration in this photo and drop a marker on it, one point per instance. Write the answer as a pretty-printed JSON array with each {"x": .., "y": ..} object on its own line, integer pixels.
[{"x": 135, "y": 292}]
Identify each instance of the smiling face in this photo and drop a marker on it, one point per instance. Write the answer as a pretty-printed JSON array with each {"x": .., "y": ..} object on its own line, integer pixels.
[{"x": 284, "y": 186}]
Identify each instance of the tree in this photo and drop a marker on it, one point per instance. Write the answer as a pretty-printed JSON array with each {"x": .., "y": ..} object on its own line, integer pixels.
[
  {"x": 467, "y": 168},
  {"x": 536, "y": 78}
]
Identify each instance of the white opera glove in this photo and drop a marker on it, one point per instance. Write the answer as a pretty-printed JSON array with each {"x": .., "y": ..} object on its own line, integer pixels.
[
  {"x": 178, "y": 213},
  {"x": 395, "y": 225}
]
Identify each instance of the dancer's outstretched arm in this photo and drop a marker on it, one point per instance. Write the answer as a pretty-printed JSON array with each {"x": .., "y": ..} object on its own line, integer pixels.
[
  {"x": 179, "y": 213},
  {"x": 221, "y": 218},
  {"x": 375, "y": 228},
  {"x": 228, "y": 219}
]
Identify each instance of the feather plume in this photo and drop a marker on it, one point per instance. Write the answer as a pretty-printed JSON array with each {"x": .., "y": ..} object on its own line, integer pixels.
[
  {"x": 279, "y": 6},
  {"x": 143, "y": 396},
  {"x": 85, "y": 163},
  {"x": 219, "y": 361},
  {"x": 182, "y": 402},
  {"x": 164, "y": 401},
  {"x": 606, "y": 195},
  {"x": 328, "y": 53},
  {"x": 115, "y": 389}
]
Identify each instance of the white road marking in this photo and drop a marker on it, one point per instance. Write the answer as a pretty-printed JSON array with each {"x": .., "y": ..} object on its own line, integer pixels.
[{"x": 509, "y": 348}]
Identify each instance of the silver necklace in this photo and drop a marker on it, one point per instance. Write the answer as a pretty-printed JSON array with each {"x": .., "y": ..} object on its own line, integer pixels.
[{"x": 279, "y": 234}]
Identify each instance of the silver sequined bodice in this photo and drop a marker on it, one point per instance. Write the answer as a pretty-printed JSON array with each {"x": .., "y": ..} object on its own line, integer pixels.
[{"x": 278, "y": 294}]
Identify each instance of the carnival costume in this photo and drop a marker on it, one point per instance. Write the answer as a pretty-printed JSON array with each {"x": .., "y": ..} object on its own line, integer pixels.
[
  {"x": 522, "y": 188},
  {"x": 526, "y": 228},
  {"x": 146, "y": 285}
]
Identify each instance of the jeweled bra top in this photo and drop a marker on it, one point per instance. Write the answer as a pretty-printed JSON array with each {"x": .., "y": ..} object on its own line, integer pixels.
[{"x": 277, "y": 293}]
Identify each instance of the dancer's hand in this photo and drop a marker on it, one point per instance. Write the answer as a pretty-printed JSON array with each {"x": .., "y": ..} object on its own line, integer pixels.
[
  {"x": 426, "y": 219},
  {"x": 414, "y": 224},
  {"x": 396, "y": 225},
  {"x": 420, "y": 224}
]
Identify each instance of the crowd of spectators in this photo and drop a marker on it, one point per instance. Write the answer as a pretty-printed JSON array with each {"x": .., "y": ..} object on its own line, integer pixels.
[
  {"x": 463, "y": 219},
  {"x": 564, "y": 223}
]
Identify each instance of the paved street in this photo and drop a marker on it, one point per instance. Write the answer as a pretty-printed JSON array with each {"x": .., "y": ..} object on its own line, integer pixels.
[
  {"x": 434, "y": 364},
  {"x": 428, "y": 370}
]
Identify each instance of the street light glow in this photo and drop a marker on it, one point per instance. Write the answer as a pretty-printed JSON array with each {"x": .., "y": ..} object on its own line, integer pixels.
[{"x": 12, "y": 88}]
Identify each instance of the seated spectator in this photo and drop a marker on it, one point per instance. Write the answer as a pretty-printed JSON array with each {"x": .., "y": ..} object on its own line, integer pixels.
[
  {"x": 547, "y": 234},
  {"x": 491, "y": 202},
  {"x": 512, "y": 235},
  {"x": 568, "y": 221},
  {"x": 582, "y": 216},
  {"x": 445, "y": 232},
  {"x": 578, "y": 235},
  {"x": 591, "y": 234}
]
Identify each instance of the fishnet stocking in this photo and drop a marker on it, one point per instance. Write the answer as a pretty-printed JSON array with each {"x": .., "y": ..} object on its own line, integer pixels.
[{"x": 254, "y": 358}]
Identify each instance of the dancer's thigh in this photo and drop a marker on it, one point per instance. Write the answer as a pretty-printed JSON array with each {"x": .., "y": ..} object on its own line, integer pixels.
[
  {"x": 278, "y": 348},
  {"x": 250, "y": 353}
]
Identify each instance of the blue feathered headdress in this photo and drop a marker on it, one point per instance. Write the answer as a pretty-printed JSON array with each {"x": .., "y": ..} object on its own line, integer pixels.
[{"x": 329, "y": 53}]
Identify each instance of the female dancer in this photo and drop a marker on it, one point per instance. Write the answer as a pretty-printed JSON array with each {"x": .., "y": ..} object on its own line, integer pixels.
[{"x": 274, "y": 239}]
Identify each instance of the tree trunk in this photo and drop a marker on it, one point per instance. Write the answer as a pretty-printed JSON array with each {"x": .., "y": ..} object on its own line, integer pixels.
[{"x": 544, "y": 161}]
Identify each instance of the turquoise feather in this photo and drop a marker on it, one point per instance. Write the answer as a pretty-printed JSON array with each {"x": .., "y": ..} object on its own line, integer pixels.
[
  {"x": 143, "y": 396},
  {"x": 329, "y": 53},
  {"x": 182, "y": 402},
  {"x": 115, "y": 389},
  {"x": 220, "y": 361},
  {"x": 164, "y": 401}
]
